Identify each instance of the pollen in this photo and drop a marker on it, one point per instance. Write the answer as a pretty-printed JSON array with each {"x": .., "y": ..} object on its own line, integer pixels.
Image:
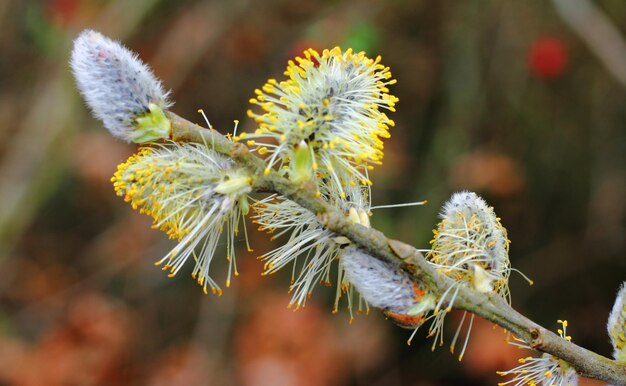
[
  {"x": 333, "y": 101},
  {"x": 542, "y": 370},
  {"x": 193, "y": 194},
  {"x": 471, "y": 245}
]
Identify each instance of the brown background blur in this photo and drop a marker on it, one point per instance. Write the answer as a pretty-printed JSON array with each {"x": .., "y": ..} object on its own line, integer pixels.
[{"x": 500, "y": 97}]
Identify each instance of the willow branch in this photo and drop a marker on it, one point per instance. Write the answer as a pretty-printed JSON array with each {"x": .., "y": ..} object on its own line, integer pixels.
[{"x": 490, "y": 307}]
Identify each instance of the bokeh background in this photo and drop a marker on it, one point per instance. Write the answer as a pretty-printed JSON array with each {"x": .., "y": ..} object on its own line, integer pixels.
[{"x": 523, "y": 102}]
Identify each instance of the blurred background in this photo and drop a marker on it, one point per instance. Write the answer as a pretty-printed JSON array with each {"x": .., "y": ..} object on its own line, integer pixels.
[{"x": 523, "y": 102}]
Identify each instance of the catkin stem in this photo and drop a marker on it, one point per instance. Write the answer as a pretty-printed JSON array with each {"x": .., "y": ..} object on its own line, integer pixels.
[{"x": 375, "y": 243}]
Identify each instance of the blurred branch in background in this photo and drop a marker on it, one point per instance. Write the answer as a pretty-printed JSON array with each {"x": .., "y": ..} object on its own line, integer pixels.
[
  {"x": 39, "y": 147},
  {"x": 602, "y": 37}
]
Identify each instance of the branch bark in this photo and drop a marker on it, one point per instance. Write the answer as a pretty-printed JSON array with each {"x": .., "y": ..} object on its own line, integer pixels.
[{"x": 374, "y": 242}]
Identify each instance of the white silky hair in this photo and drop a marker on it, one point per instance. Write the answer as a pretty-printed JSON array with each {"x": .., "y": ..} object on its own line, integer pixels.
[
  {"x": 469, "y": 203},
  {"x": 616, "y": 325},
  {"x": 116, "y": 84},
  {"x": 378, "y": 282},
  {"x": 494, "y": 246}
]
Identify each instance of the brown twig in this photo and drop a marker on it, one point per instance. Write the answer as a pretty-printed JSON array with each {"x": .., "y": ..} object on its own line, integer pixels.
[{"x": 492, "y": 308}]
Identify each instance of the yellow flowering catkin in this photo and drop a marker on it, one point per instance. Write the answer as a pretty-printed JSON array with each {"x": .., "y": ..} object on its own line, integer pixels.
[
  {"x": 331, "y": 104},
  {"x": 193, "y": 194}
]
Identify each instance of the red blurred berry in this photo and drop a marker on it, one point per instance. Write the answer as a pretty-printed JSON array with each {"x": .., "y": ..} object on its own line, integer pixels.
[
  {"x": 62, "y": 12},
  {"x": 548, "y": 58}
]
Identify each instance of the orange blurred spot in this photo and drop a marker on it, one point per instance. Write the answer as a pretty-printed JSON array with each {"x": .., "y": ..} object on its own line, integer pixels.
[{"x": 495, "y": 173}]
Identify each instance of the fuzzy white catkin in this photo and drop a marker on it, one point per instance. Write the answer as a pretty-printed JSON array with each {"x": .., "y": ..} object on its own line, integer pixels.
[
  {"x": 617, "y": 325},
  {"x": 116, "y": 84},
  {"x": 469, "y": 203},
  {"x": 471, "y": 242},
  {"x": 380, "y": 284}
]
